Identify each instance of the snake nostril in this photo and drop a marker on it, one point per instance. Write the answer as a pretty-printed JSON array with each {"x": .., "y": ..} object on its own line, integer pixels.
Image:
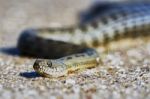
[{"x": 49, "y": 64}]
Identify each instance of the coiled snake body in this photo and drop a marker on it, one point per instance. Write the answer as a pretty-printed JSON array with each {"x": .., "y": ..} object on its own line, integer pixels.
[{"x": 74, "y": 49}]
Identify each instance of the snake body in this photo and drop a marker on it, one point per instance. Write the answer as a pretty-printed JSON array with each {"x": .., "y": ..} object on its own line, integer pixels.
[{"x": 69, "y": 49}]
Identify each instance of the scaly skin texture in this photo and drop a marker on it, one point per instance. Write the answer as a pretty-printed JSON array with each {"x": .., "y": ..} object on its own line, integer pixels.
[{"x": 74, "y": 49}]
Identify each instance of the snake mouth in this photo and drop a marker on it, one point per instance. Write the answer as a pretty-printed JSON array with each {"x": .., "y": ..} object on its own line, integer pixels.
[{"x": 38, "y": 66}]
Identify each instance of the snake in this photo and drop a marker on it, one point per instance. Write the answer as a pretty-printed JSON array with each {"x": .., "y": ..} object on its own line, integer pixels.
[{"x": 64, "y": 50}]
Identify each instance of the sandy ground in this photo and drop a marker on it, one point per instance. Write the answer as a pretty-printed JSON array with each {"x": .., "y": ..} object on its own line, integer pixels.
[{"x": 125, "y": 73}]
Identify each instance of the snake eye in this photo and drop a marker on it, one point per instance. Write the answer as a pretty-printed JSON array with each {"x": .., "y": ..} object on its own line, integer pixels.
[{"x": 49, "y": 64}]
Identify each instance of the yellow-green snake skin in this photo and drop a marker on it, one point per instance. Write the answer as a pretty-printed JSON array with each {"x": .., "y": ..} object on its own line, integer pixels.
[{"x": 69, "y": 49}]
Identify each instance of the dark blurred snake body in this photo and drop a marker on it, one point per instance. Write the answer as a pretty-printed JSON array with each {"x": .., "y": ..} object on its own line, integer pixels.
[{"x": 69, "y": 49}]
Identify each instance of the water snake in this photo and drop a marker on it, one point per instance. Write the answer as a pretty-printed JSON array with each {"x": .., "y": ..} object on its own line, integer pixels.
[{"x": 69, "y": 49}]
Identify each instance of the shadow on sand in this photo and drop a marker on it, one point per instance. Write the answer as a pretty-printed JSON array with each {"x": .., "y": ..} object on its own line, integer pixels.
[
  {"x": 14, "y": 51},
  {"x": 31, "y": 74}
]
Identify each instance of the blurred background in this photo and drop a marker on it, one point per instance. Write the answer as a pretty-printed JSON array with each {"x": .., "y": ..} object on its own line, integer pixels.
[{"x": 17, "y": 15}]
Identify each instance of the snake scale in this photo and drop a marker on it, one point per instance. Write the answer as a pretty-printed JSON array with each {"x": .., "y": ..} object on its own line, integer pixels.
[{"x": 66, "y": 50}]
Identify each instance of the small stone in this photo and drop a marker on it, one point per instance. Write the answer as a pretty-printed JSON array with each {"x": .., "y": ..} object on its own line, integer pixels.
[{"x": 70, "y": 81}]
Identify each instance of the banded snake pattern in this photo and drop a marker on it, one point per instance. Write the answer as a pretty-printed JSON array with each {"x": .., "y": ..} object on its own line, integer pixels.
[{"x": 69, "y": 49}]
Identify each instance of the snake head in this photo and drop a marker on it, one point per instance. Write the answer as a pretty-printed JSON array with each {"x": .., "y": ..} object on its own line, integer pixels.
[{"x": 49, "y": 68}]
